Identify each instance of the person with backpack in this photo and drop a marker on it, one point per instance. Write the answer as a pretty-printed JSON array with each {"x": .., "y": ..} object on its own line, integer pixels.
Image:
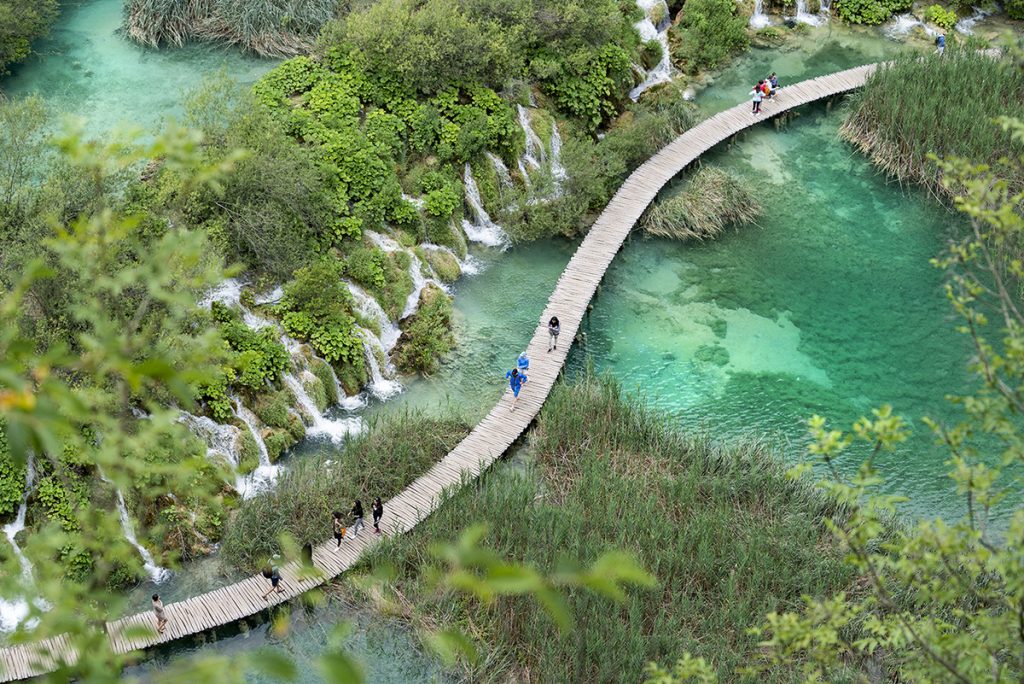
[
  {"x": 553, "y": 329},
  {"x": 377, "y": 508},
  {"x": 273, "y": 573},
  {"x": 523, "y": 363},
  {"x": 357, "y": 515},
  {"x": 516, "y": 380},
  {"x": 940, "y": 43}
]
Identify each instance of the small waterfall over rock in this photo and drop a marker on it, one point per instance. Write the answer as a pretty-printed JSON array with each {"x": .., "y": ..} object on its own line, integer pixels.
[
  {"x": 805, "y": 17},
  {"x": 369, "y": 308},
  {"x": 536, "y": 157},
  {"x": 903, "y": 24},
  {"x": 662, "y": 71},
  {"x": 504, "y": 177},
  {"x": 416, "y": 268},
  {"x": 558, "y": 172},
  {"x": 266, "y": 473},
  {"x": 533, "y": 154},
  {"x": 272, "y": 297},
  {"x": 221, "y": 440},
  {"x": 482, "y": 229},
  {"x": 320, "y": 425},
  {"x": 966, "y": 25},
  {"x": 14, "y": 611},
  {"x": 759, "y": 19},
  {"x": 230, "y": 293},
  {"x": 383, "y": 388},
  {"x": 469, "y": 266},
  {"x": 156, "y": 573}
]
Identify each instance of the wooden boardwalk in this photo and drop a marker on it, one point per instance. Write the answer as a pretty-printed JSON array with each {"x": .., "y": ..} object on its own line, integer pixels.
[{"x": 490, "y": 438}]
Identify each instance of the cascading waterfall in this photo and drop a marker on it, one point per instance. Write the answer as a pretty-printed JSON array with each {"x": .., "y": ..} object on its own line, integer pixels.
[
  {"x": 272, "y": 297},
  {"x": 482, "y": 229},
  {"x": 14, "y": 611},
  {"x": 759, "y": 19},
  {"x": 504, "y": 177},
  {"x": 371, "y": 309},
  {"x": 419, "y": 281},
  {"x": 469, "y": 266},
  {"x": 805, "y": 17},
  {"x": 264, "y": 476},
  {"x": 380, "y": 386},
  {"x": 903, "y": 24},
  {"x": 229, "y": 293},
  {"x": 533, "y": 154},
  {"x": 558, "y": 172},
  {"x": 320, "y": 425},
  {"x": 221, "y": 440},
  {"x": 156, "y": 573},
  {"x": 662, "y": 71},
  {"x": 966, "y": 25}
]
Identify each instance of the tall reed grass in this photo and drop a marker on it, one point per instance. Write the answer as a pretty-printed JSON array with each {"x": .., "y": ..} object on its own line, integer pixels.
[
  {"x": 916, "y": 106},
  {"x": 727, "y": 535},
  {"x": 709, "y": 202},
  {"x": 381, "y": 462},
  {"x": 272, "y": 28}
]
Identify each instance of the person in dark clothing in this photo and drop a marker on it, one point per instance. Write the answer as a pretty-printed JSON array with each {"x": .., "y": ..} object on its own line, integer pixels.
[
  {"x": 339, "y": 528},
  {"x": 378, "y": 510},
  {"x": 553, "y": 329},
  {"x": 275, "y": 578},
  {"x": 357, "y": 515}
]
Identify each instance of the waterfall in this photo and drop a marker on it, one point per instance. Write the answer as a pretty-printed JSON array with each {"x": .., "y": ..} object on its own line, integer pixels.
[
  {"x": 805, "y": 17},
  {"x": 14, "y": 611},
  {"x": 419, "y": 281},
  {"x": 221, "y": 440},
  {"x": 903, "y": 24},
  {"x": 272, "y": 297},
  {"x": 417, "y": 202},
  {"x": 523, "y": 173},
  {"x": 482, "y": 229},
  {"x": 558, "y": 172},
  {"x": 369, "y": 308},
  {"x": 229, "y": 293},
  {"x": 534, "y": 147},
  {"x": 381, "y": 387},
  {"x": 662, "y": 71},
  {"x": 759, "y": 19},
  {"x": 469, "y": 266},
  {"x": 335, "y": 430},
  {"x": 266, "y": 474},
  {"x": 504, "y": 177},
  {"x": 966, "y": 25},
  {"x": 156, "y": 573}
]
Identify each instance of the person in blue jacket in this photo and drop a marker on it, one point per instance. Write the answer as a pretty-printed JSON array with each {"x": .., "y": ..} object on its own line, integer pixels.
[
  {"x": 516, "y": 380},
  {"x": 523, "y": 363},
  {"x": 940, "y": 44}
]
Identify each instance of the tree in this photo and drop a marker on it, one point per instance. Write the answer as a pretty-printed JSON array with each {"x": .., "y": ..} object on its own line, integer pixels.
[{"x": 21, "y": 23}]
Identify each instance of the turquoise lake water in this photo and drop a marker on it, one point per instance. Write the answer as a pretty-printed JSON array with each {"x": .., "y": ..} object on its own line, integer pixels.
[{"x": 827, "y": 306}]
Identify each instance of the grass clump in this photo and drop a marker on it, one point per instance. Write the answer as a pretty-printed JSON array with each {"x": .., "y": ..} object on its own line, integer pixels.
[
  {"x": 272, "y": 28},
  {"x": 709, "y": 203},
  {"x": 727, "y": 535},
  {"x": 917, "y": 106},
  {"x": 381, "y": 463}
]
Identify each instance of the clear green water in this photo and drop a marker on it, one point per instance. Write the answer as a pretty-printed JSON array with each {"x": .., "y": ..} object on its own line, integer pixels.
[{"x": 87, "y": 69}]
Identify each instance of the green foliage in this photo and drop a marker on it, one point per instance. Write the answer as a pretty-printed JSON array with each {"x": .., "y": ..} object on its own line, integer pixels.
[
  {"x": 589, "y": 84},
  {"x": 270, "y": 29},
  {"x": 272, "y": 409},
  {"x": 258, "y": 356},
  {"x": 1014, "y": 8},
  {"x": 610, "y": 474},
  {"x": 899, "y": 120},
  {"x": 322, "y": 370},
  {"x": 869, "y": 11},
  {"x": 445, "y": 265},
  {"x": 711, "y": 31},
  {"x": 20, "y": 24},
  {"x": 12, "y": 480},
  {"x": 379, "y": 463},
  {"x": 427, "y": 334},
  {"x": 710, "y": 202},
  {"x": 940, "y": 16},
  {"x": 365, "y": 265},
  {"x": 249, "y": 454},
  {"x": 287, "y": 80}
]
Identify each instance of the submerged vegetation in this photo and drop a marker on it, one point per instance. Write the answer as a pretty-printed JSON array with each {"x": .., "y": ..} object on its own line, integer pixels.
[
  {"x": 726, "y": 535},
  {"x": 900, "y": 121},
  {"x": 708, "y": 203},
  {"x": 21, "y": 23}
]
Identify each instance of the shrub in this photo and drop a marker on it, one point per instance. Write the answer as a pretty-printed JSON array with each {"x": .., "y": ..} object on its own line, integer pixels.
[
  {"x": 12, "y": 479},
  {"x": 365, "y": 265},
  {"x": 20, "y": 24},
  {"x": 589, "y": 83},
  {"x": 869, "y": 11},
  {"x": 272, "y": 409},
  {"x": 249, "y": 453},
  {"x": 940, "y": 16},
  {"x": 709, "y": 202},
  {"x": 426, "y": 335},
  {"x": 1014, "y": 8},
  {"x": 710, "y": 31},
  {"x": 379, "y": 463}
]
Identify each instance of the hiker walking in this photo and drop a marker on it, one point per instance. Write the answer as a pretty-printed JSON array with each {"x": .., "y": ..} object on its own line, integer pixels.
[
  {"x": 357, "y": 515},
  {"x": 274, "y": 575},
  {"x": 523, "y": 363},
  {"x": 161, "y": 616},
  {"x": 940, "y": 44},
  {"x": 377, "y": 508},
  {"x": 339, "y": 528},
  {"x": 553, "y": 329},
  {"x": 516, "y": 380},
  {"x": 756, "y": 95}
]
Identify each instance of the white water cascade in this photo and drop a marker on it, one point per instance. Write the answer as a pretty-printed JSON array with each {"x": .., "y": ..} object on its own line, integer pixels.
[
  {"x": 320, "y": 425},
  {"x": 14, "y": 611},
  {"x": 759, "y": 20},
  {"x": 264, "y": 476},
  {"x": 369, "y": 308},
  {"x": 966, "y": 25},
  {"x": 221, "y": 440},
  {"x": 805, "y": 17},
  {"x": 381, "y": 386},
  {"x": 229, "y": 293},
  {"x": 902, "y": 24},
  {"x": 482, "y": 229},
  {"x": 534, "y": 154},
  {"x": 419, "y": 281},
  {"x": 662, "y": 71},
  {"x": 469, "y": 266},
  {"x": 504, "y": 177},
  {"x": 156, "y": 573},
  {"x": 558, "y": 172}
]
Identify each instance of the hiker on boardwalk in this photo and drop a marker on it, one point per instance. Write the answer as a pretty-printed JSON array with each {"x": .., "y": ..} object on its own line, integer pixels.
[
  {"x": 339, "y": 528},
  {"x": 756, "y": 96},
  {"x": 772, "y": 82},
  {"x": 940, "y": 44},
  {"x": 516, "y": 380},
  {"x": 553, "y": 329},
  {"x": 377, "y": 508},
  {"x": 523, "y": 363},
  {"x": 274, "y": 575},
  {"x": 161, "y": 616},
  {"x": 357, "y": 515}
]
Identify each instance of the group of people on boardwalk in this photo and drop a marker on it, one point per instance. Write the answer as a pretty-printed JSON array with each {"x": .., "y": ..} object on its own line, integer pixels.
[
  {"x": 517, "y": 377},
  {"x": 765, "y": 89},
  {"x": 376, "y": 508}
]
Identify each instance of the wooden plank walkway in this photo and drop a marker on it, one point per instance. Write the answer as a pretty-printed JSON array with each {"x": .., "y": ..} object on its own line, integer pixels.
[{"x": 490, "y": 438}]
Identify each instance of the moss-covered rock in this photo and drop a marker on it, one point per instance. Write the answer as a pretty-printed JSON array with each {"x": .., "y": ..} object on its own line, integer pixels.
[
  {"x": 315, "y": 389},
  {"x": 325, "y": 374},
  {"x": 352, "y": 378},
  {"x": 427, "y": 334},
  {"x": 277, "y": 442},
  {"x": 248, "y": 453},
  {"x": 445, "y": 265},
  {"x": 296, "y": 428},
  {"x": 272, "y": 409}
]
